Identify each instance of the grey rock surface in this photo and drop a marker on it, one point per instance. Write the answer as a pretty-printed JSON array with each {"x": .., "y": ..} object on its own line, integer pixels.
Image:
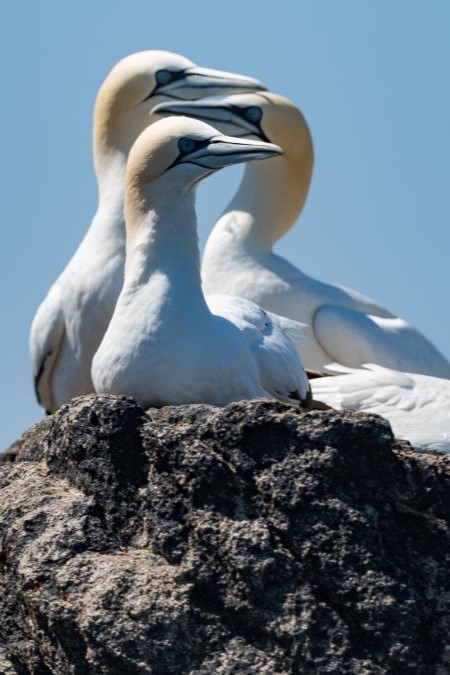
[{"x": 198, "y": 540}]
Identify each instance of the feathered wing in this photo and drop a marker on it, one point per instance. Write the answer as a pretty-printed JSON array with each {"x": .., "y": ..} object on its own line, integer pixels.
[
  {"x": 354, "y": 338},
  {"x": 282, "y": 375},
  {"x": 347, "y": 326},
  {"x": 417, "y": 406},
  {"x": 46, "y": 338},
  {"x": 371, "y": 389}
]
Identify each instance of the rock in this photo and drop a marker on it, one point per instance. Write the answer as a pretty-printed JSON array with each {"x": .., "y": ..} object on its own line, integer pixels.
[
  {"x": 10, "y": 454},
  {"x": 197, "y": 540}
]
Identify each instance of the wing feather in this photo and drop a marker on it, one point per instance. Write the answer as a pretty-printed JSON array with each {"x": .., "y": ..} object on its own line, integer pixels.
[
  {"x": 46, "y": 337},
  {"x": 417, "y": 406},
  {"x": 281, "y": 372},
  {"x": 352, "y": 338}
]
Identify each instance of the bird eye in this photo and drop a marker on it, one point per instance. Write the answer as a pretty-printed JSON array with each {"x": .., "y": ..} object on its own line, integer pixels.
[
  {"x": 253, "y": 114},
  {"x": 186, "y": 145},
  {"x": 164, "y": 77}
]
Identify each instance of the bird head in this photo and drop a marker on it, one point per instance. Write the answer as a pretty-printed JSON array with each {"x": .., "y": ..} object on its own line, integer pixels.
[
  {"x": 265, "y": 116},
  {"x": 174, "y": 154},
  {"x": 142, "y": 80}
]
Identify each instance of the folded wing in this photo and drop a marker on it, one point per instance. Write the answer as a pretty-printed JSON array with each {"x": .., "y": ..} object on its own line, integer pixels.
[{"x": 46, "y": 338}]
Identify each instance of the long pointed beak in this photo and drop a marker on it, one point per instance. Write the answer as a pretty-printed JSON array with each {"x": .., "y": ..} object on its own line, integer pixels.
[
  {"x": 210, "y": 111},
  {"x": 218, "y": 113},
  {"x": 224, "y": 151},
  {"x": 201, "y": 82}
]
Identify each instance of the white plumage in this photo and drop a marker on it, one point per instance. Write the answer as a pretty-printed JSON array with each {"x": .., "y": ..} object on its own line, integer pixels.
[
  {"x": 70, "y": 323},
  {"x": 165, "y": 344},
  {"x": 417, "y": 406},
  {"x": 343, "y": 325},
  {"x": 271, "y": 339}
]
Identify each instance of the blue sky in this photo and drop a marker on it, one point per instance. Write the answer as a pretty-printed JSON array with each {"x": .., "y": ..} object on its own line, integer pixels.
[{"x": 371, "y": 79}]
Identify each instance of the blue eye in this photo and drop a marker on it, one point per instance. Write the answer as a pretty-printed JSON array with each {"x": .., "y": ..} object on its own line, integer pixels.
[
  {"x": 186, "y": 145},
  {"x": 164, "y": 77},
  {"x": 254, "y": 114}
]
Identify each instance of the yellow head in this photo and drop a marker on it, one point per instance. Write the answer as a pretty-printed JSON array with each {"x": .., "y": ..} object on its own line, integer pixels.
[
  {"x": 277, "y": 188},
  {"x": 174, "y": 154},
  {"x": 140, "y": 81},
  {"x": 267, "y": 116}
]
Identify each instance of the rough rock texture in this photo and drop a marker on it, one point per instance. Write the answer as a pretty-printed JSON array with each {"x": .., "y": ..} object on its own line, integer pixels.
[{"x": 197, "y": 540}]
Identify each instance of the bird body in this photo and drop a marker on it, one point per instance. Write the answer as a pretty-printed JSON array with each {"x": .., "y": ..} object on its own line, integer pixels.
[
  {"x": 283, "y": 289},
  {"x": 417, "y": 406},
  {"x": 70, "y": 323},
  {"x": 343, "y": 325},
  {"x": 81, "y": 303},
  {"x": 165, "y": 343}
]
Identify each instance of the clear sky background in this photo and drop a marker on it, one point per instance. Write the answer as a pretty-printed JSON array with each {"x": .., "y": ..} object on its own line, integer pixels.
[{"x": 370, "y": 77}]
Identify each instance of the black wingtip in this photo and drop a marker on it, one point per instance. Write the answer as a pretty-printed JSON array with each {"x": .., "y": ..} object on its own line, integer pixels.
[
  {"x": 39, "y": 374},
  {"x": 306, "y": 402},
  {"x": 36, "y": 388}
]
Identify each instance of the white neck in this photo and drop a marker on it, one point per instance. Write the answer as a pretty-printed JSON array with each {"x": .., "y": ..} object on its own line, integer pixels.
[
  {"x": 113, "y": 137},
  {"x": 267, "y": 204},
  {"x": 109, "y": 218},
  {"x": 162, "y": 242}
]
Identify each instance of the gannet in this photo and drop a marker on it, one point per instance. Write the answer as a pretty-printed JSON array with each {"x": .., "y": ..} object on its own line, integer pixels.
[
  {"x": 343, "y": 325},
  {"x": 417, "y": 406},
  {"x": 71, "y": 322},
  {"x": 165, "y": 344}
]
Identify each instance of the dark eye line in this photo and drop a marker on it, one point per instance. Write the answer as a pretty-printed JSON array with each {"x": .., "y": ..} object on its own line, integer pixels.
[
  {"x": 176, "y": 75},
  {"x": 198, "y": 145},
  {"x": 254, "y": 109},
  {"x": 241, "y": 112}
]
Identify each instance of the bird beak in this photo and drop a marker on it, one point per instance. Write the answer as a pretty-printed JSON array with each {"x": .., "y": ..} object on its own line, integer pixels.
[
  {"x": 224, "y": 151},
  {"x": 203, "y": 82},
  {"x": 218, "y": 113},
  {"x": 209, "y": 111}
]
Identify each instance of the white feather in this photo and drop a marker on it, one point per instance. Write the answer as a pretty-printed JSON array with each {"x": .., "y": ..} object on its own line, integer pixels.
[
  {"x": 417, "y": 406},
  {"x": 343, "y": 325},
  {"x": 165, "y": 344}
]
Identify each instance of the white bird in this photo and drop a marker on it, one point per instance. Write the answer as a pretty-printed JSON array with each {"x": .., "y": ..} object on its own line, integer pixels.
[
  {"x": 72, "y": 320},
  {"x": 165, "y": 344},
  {"x": 343, "y": 326},
  {"x": 417, "y": 406}
]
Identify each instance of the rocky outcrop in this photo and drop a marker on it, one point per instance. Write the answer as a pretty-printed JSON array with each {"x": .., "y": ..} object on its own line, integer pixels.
[{"x": 198, "y": 540}]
